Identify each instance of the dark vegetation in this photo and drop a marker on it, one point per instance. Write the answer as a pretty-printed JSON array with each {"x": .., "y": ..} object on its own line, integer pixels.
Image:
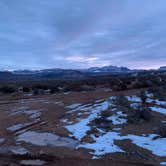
[
  {"x": 113, "y": 82},
  {"x": 139, "y": 115},
  {"x": 162, "y": 130},
  {"x": 159, "y": 92}
]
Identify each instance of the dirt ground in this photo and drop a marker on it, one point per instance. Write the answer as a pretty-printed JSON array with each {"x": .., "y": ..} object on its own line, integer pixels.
[{"x": 52, "y": 111}]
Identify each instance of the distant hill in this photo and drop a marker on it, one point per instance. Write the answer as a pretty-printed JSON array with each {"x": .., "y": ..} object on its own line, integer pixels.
[
  {"x": 163, "y": 68},
  {"x": 109, "y": 69},
  {"x": 70, "y": 74}
]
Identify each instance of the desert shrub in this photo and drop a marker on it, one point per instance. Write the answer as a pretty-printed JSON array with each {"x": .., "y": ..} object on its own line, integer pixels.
[
  {"x": 102, "y": 123},
  {"x": 106, "y": 114},
  {"x": 141, "y": 83},
  {"x": 138, "y": 115},
  {"x": 26, "y": 89},
  {"x": 36, "y": 91},
  {"x": 162, "y": 130},
  {"x": 122, "y": 86},
  {"x": 121, "y": 101},
  {"x": 54, "y": 90},
  {"x": 40, "y": 86},
  {"x": 143, "y": 97},
  {"x": 159, "y": 92},
  {"x": 7, "y": 89},
  {"x": 74, "y": 87}
]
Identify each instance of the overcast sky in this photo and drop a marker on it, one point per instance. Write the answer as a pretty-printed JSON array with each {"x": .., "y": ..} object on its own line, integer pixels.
[{"x": 36, "y": 34}]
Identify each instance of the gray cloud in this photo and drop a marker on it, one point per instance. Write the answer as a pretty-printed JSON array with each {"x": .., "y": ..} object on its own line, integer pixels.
[{"x": 82, "y": 33}]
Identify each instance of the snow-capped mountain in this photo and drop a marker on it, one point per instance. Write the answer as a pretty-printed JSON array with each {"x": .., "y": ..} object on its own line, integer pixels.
[{"x": 109, "y": 69}]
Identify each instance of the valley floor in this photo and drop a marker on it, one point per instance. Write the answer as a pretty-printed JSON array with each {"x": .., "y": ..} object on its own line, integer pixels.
[{"x": 80, "y": 128}]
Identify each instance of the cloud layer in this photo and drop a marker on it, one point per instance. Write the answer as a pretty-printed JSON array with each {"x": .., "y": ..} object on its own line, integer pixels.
[{"x": 79, "y": 34}]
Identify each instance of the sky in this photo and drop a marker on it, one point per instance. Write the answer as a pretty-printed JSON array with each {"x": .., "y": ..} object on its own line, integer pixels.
[{"x": 39, "y": 34}]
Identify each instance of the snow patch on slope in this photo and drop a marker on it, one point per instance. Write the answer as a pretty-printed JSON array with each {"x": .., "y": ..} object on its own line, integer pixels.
[
  {"x": 159, "y": 110},
  {"x": 80, "y": 129}
]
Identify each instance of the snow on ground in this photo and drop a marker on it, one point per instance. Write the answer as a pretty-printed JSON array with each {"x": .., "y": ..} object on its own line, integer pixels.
[
  {"x": 156, "y": 146},
  {"x": 46, "y": 139},
  {"x": 78, "y": 107},
  {"x": 19, "y": 110},
  {"x": 78, "y": 130},
  {"x": 163, "y": 163},
  {"x": 149, "y": 95},
  {"x": 156, "y": 101},
  {"x": 162, "y": 103},
  {"x": 118, "y": 118},
  {"x": 73, "y": 106},
  {"x": 33, "y": 114},
  {"x": 159, "y": 110},
  {"x": 135, "y": 105},
  {"x": 59, "y": 103},
  {"x": 116, "y": 129},
  {"x": 133, "y": 98},
  {"x": 19, "y": 150},
  {"x": 32, "y": 162},
  {"x": 103, "y": 144},
  {"x": 17, "y": 127}
]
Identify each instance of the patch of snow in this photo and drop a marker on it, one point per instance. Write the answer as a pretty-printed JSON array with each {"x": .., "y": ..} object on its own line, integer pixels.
[
  {"x": 25, "y": 110},
  {"x": 133, "y": 98},
  {"x": 73, "y": 106},
  {"x": 162, "y": 103},
  {"x": 46, "y": 139},
  {"x": 149, "y": 100},
  {"x": 104, "y": 144},
  {"x": 19, "y": 150},
  {"x": 163, "y": 163},
  {"x": 59, "y": 103},
  {"x": 157, "y": 102},
  {"x": 116, "y": 129},
  {"x": 66, "y": 93},
  {"x": 159, "y": 110},
  {"x": 79, "y": 129},
  {"x": 135, "y": 105},
  {"x": 19, "y": 110},
  {"x": 83, "y": 113},
  {"x": 118, "y": 118},
  {"x": 34, "y": 162},
  {"x": 150, "y": 95},
  {"x": 156, "y": 146},
  {"x": 66, "y": 121},
  {"x": 80, "y": 108},
  {"x": 35, "y": 115},
  {"x": 28, "y": 94},
  {"x": 17, "y": 127}
]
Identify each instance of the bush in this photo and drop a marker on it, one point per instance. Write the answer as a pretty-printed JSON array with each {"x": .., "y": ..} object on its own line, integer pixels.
[
  {"x": 121, "y": 101},
  {"x": 143, "y": 97},
  {"x": 162, "y": 130},
  {"x": 54, "y": 90},
  {"x": 26, "y": 89},
  {"x": 159, "y": 92},
  {"x": 102, "y": 123},
  {"x": 139, "y": 115},
  {"x": 7, "y": 89},
  {"x": 35, "y": 92}
]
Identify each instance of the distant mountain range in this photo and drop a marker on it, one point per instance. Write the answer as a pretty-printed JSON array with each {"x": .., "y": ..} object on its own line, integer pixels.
[{"x": 69, "y": 73}]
